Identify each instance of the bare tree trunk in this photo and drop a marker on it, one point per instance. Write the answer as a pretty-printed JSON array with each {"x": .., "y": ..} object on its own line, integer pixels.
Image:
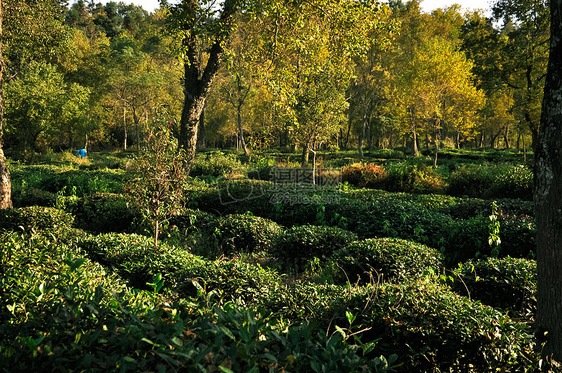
[
  {"x": 5, "y": 183},
  {"x": 198, "y": 80},
  {"x": 548, "y": 204},
  {"x": 414, "y": 135}
]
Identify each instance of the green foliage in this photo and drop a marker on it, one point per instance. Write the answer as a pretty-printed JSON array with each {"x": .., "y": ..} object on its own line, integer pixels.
[
  {"x": 299, "y": 244},
  {"x": 102, "y": 212},
  {"x": 215, "y": 164},
  {"x": 35, "y": 218},
  {"x": 431, "y": 328},
  {"x": 413, "y": 178},
  {"x": 159, "y": 179},
  {"x": 237, "y": 234},
  {"x": 509, "y": 284},
  {"x": 67, "y": 312},
  {"x": 492, "y": 181},
  {"x": 384, "y": 259},
  {"x": 41, "y": 105}
]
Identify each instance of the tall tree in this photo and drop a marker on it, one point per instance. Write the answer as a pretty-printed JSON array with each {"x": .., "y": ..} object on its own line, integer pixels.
[
  {"x": 5, "y": 183},
  {"x": 198, "y": 24},
  {"x": 310, "y": 46},
  {"x": 547, "y": 192},
  {"x": 524, "y": 55}
]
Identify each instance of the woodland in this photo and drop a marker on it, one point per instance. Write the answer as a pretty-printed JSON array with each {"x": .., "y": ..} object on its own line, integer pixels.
[{"x": 273, "y": 186}]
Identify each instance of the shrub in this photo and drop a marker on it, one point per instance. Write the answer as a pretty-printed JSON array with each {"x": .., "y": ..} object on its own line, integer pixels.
[
  {"x": 433, "y": 329},
  {"x": 506, "y": 283},
  {"x": 191, "y": 221},
  {"x": 387, "y": 259},
  {"x": 215, "y": 164},
  {"x": 299, "y": 244},
  {"x": 245, "y": 234},
  {"x": 365, "y": 175},
  {"x": 413, "y": 178},
  {"x": 35, "y": 218},
  {"x": 102, "y": 213},
  {"x": 492, "y": 181},
  {"x": 33, "y": 197}
]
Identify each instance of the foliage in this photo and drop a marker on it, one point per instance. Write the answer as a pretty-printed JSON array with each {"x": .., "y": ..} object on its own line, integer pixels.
[
  {"x": 85, "y": 318},
  {"x": 430, "y": 327},
  {"x": 157, "y": 186},
  {"x": 40, "y": 105},
  {"x": 509, "y": 284},
  {"x": 299, "y": 244},
  {"x": 215, "y": 164},
  {"x": 237, "y": 234},
  {"x": 384, "y": 259},
  {"x": 35, "y": 218},
  {"x": 365, "y": 175},
  {"x": 492, "y": 181},
  {"x": 102, "y": 212}
]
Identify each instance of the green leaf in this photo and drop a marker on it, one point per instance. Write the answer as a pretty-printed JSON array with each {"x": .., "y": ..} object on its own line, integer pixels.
[{"x": 77, "y": 263}]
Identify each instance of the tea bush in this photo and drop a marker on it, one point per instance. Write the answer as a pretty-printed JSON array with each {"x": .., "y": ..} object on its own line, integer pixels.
[
  {"x": 365, "y": 175},
  {"x": 414, "y": 178},
  {"x": 245, "y": 234},
  {"x": 433, "y": 329},
  {"x": 102, "y": 212},
  {"x": 66, "y": 313},
  {"x": 492, "y": 181},
  {"x": 215, "y": 164},
  {"x": 35, "y": 218},
  {"x": 384, "y": 259},
  {"x": 299, "y": 244},
  {"x": 33, "y": 197},
  {"x": 193, "y": 220},
  {"x": 506, "y": 283}
]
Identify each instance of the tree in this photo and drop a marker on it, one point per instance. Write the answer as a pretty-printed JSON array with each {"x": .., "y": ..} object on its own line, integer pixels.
[
  {"x": 547, "y": 192},
  {"x": 198, "y": 24},
  {"x": 436, "y": 89},
  {"x": 40, "y": 104},
  {"x": 310, "y": 47},
  {"x": 523, "y": 56},
  {"x": 5, "y": 183},
  {"x": 157, "y": 188}
]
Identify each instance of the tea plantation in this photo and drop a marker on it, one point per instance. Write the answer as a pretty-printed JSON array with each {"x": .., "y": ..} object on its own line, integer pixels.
[{"x": 400, "y": 268}]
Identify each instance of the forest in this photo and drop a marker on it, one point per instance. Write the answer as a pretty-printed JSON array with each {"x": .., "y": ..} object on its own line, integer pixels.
[
  {"x": 304, "y": 76},
  {"x": 274, "y": 186}
]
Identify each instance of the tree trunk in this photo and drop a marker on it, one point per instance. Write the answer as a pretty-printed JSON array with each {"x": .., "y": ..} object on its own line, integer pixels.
[
  {"x": 305, "y": 153},
  {"x": 5, "y": 183},
  {"x": 414, "y": 135},
  {"x": 241, "y": 131},
  {"x": 201, "y": 136},
  {"x": 548, "y": 204},
  {"x": 364, "y": 124},
  {"x": 198, "y": 80}
]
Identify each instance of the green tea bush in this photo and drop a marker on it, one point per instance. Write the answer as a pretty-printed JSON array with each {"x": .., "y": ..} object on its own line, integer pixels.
[
  {"x": 384, "y": 259},
  {"x": 33, "y": 197},
  {"x": 506, "y": 283},
  {"x": 65, "y": 312},
  {"x": 135, "y": 259},
  {"x": 192, "y": 221},
  {"x": 299, "y": 244},
  {"x": 215, "y": 164},
  {"x": 492, "y": 181},
  {"x": 414, "y": 178},
  {"x": 34, "y": 218},
  {"x": 433, "y": 329},
  {"x": 102, "y": 213},
  {"x": 245, "y": 234}
]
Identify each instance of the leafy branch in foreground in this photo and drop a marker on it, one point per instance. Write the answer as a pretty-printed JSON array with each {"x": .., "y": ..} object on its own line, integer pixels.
[{"x": 159, "y": 177}]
